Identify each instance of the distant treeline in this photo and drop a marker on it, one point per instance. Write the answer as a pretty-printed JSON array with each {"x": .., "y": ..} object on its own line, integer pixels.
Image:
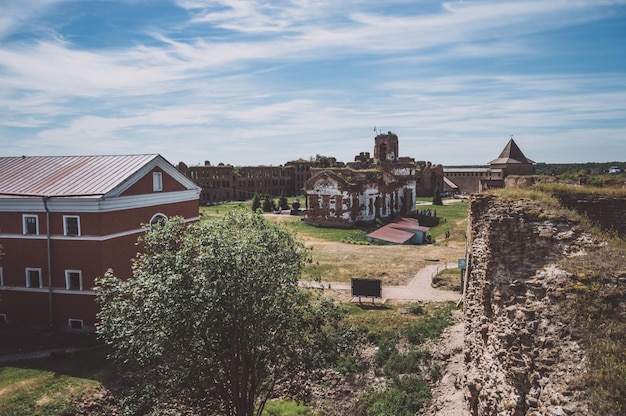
[{"x": 589, "y": 168}]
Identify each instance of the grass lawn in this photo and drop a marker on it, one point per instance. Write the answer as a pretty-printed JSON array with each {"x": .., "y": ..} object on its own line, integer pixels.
[
  {"x": 453, "y": 215},
  {"x": 52, "y": 386}
]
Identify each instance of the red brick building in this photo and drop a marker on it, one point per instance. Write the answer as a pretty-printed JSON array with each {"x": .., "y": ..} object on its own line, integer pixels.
[
  {"x": 229, "y": 183},
  {"x": 66, "y": 220}
]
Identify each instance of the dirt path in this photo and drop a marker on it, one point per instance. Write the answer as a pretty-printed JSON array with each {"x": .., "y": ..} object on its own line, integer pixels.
[{"x": 448, "y": 392}]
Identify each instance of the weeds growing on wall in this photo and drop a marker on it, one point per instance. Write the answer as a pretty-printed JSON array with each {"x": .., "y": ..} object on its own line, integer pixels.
[{"x": 595, "y": 302}]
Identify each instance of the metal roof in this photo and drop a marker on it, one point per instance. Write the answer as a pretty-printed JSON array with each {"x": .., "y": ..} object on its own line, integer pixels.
[
  {"x": 67, "y": 175},
  {"x": 511, "y": 154},
  {"x": 393, "y": 235},
  {"x": 408, "y": 224},
  {"x": 399, "y": 231}
]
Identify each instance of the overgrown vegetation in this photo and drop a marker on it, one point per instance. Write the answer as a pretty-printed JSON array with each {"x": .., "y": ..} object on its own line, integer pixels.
[
  {"x": 595, "y": 302},
  {"x": 448, "y": 279},
  {"x": 404, "y": 360},
  {"x": 213, "y": 319},
  {"x": 399, "y": 332},
  {"x": 286, "y": 408}
]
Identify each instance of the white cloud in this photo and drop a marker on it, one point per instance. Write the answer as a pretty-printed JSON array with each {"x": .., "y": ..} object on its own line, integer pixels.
[{"x": 184, "y": 92}]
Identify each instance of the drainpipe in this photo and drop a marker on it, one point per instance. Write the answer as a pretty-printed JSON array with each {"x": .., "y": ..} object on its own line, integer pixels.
[{"x": 48, "y": 242}]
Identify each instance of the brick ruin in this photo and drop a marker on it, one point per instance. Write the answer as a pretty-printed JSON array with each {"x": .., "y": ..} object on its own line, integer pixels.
[
  {"x": 222, "y": 183},
  {"x": 369, "y": 188}
]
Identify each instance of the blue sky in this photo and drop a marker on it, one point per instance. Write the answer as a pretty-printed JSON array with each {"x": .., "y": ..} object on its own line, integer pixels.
[{"x": 250, "y": 82}]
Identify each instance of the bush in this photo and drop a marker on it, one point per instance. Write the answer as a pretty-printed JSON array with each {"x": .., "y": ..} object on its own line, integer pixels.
[
  {"x": 406, "y": 396},
  {"x": 406, "y": 363},
  {"x": 285, "y": 408},
  {"x": 430, "y": 327},
  {"x": 386, "y": 348}
]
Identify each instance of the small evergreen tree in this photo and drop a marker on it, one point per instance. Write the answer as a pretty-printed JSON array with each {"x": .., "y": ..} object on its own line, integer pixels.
[
  {"x": 256, "y": 202},
  {"x": 283, "y": 203},
  {"x": 437, "y": 197},
  {"x": 268, "y": 204}
]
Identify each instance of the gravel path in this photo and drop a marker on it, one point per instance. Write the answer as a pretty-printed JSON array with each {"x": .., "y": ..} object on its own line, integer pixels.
[{"x": 418, "y": 289}]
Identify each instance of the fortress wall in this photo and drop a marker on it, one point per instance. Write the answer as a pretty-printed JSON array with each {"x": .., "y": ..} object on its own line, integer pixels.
[{"x": 520, "y": 357}]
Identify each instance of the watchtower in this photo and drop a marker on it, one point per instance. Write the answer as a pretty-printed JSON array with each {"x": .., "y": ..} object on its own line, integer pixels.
[{"x": 386, "y": 147}]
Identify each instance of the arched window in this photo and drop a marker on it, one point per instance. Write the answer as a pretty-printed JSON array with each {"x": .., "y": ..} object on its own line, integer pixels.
[{"x": 158, "y": 218}]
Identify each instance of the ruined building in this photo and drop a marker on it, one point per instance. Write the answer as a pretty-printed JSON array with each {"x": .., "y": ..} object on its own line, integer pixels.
[
  {"x": 369, "y": 188},
  {"x": 229, "y": 183}
]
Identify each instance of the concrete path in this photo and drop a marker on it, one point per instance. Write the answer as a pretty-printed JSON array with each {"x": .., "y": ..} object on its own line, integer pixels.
[{"x": 418, "y": 289}]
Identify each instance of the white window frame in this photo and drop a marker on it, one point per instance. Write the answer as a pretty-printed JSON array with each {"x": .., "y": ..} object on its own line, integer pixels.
[
  {"x": 157, "y": 181},
  {"x": 33, "y": 269},
  {"x": 65, "y": 218},
  {"x": 156, "y": 218},
  {"x": 25, "y": 228},
  {"x": 67, "y": 279},
  {"x": 72, "y": 321}
]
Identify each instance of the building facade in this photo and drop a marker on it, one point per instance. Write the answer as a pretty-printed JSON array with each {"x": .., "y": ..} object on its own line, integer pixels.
[
  {"x": 229, "y": 183},
  {"x": 369, "y": 188},
  {"x": 511, "y": 161},
  {"x": 64, "y": 221}
]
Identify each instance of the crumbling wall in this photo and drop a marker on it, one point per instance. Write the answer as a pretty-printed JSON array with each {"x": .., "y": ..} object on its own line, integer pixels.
[
  {"x": 520, "y": 357},
  {"x": 609, "y": 212}
]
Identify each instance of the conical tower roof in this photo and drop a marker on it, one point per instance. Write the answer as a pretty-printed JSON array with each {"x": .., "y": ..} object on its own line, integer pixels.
[{"x": 511, "y": 154}]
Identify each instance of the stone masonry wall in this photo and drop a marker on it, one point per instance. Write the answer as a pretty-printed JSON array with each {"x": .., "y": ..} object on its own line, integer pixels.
[
  {"x": 607, "y": 211},
  {"x": 520, "y": 358}
]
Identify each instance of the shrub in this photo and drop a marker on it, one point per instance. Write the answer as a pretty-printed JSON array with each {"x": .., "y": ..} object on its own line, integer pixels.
[
  {"x": 429, "y": 327},
  {"x": 405, "y": 397}
]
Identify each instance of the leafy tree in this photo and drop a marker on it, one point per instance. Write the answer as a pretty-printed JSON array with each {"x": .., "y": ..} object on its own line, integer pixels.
[
  {"x": 326, "y": 161},
  {"x": 213, "y": 319},
  {"x": 256, "y": 202}
]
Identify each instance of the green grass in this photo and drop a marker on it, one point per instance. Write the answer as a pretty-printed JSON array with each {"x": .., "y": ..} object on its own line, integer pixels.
[
  {"x": 285, "y": 408},
  {"x": 383, "y": 321},
  {"x": 35, "y": 392},
  {"x": 594, "y": 303},
  {"x": 337, "y": 235},
  {"x": 51, "y": 386},
  {"x": 453, "y": 218},
  {"x": 218, "y": 210},
  {"x": 454, "y": 214}
]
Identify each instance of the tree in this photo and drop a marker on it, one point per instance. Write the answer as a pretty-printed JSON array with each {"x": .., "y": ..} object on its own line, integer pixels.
[
  {"x": 256, "y": 202},
  {"x": 268, "y": 204},
  {"x": 213, "y": 319},
  {"x": 437, "y": 196},
  {"x": 283, "y": 202},
  {"x": 326, "y": 161}
]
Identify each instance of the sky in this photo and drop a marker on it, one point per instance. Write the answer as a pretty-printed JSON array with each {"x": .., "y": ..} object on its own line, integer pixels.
[{"x": 264, "y": 82}]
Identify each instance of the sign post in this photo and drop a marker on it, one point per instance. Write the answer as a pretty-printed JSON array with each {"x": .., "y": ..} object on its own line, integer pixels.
[{"x": 462, "y": 265}]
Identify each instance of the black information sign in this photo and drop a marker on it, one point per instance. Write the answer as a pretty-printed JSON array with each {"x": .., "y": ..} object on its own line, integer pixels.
[{"x": 370, "y": 288}]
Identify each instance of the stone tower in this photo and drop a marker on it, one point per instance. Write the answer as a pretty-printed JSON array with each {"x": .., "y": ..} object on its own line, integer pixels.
[{"x": 386, "y": 147}]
